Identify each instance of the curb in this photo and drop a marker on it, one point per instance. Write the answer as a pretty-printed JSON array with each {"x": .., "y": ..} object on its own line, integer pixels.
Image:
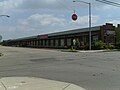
[
  {"x": 93, "y": 51},
  {"x": 32, "y": 83}
]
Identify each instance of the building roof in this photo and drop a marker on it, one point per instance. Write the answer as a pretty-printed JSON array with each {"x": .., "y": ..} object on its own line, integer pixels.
[
  {"x": 24, "y": 38},
  {"x": 96, "y": 28},
  {"x": 75, "y": 31}
]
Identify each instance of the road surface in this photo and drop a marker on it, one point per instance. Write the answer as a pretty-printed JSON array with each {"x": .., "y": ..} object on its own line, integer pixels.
[{"x": 92, "y": 71}]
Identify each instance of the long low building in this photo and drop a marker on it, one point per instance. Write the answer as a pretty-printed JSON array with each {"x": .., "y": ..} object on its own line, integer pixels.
[{"x": 65, "y": 39}]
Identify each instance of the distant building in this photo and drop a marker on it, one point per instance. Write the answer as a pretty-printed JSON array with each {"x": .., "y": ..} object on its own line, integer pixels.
[
  {"x": 105, "y": 33},
  {"x": 118, "y": 34}
]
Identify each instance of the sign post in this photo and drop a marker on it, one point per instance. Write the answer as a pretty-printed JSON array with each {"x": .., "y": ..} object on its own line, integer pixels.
[{"x": 90, "y": 20}]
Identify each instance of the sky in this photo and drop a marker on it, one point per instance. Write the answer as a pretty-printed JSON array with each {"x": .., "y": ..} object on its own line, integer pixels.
[{"x": 35, "y": 17}]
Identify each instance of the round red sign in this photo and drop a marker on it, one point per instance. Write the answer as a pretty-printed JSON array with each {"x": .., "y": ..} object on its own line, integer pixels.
[{"x": 74, "y": 17}]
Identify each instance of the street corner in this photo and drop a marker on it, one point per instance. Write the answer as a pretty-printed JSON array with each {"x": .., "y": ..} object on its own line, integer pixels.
[{"x": 31, "y": 83}]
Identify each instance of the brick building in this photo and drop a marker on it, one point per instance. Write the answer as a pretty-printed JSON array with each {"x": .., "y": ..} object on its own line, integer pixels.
[{"x": 105, "y": 33}]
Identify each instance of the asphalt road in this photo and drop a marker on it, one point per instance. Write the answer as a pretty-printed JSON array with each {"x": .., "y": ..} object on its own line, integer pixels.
[{"x": 92, "y": 71}]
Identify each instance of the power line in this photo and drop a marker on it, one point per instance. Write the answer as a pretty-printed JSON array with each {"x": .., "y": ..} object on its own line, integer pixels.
[{"x": 109, "y": 3}]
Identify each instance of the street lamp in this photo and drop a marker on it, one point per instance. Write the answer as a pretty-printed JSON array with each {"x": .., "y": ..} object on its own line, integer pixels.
[
  {"x": 4, "y": 16},
  {"x": 90, "y": 20}
]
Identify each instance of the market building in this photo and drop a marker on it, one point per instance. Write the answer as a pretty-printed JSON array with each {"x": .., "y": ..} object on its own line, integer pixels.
[{"x": 106, "y": 33}]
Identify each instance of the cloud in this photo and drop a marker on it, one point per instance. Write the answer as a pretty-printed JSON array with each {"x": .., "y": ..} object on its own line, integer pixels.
[
  {"x": 105, "y": 7},
  {"x": 32, "y": 17},
  {"x": 33, "y": 4},
  {"x": 43, "y": 23},
  {"x": 10, "y": 4},
  {"x": 49, "y": 23},
  {"x": 48, "y": 4},
  {"x": 43, "y": 20},
  {"x": 7, "y": 32},
  {"x": 85, "y": 19},
  {"x": 115, "y": 22}
]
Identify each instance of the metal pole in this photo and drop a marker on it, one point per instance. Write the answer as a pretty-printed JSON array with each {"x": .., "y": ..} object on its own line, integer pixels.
[
  {"x": 90, "y": 21},
  {"x": 90, "y": 16}
]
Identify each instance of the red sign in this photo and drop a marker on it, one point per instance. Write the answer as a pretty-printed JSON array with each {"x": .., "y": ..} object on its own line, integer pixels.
[
  {"x": 43, "y": 36},
  {"x": 74, "y": 17}
]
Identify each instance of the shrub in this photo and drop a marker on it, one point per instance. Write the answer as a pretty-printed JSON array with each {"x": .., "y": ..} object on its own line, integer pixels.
[
  {"x": 109, "y": 46},
  {"x": 98, "y": 45},
  {"x": 118, "y": 45}
]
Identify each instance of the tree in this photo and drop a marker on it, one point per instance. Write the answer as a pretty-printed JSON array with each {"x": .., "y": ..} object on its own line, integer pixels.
[{"x": 0, "y": 38}]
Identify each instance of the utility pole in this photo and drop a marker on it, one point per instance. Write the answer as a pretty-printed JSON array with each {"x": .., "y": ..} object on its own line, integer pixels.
[{"x": 90, "y": 20}]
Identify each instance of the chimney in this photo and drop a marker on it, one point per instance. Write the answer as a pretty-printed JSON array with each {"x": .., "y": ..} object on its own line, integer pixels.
[{"x": 109, "y": 24}]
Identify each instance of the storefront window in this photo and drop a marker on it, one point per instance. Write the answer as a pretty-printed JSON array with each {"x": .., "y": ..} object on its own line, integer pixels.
[
  {"x": 51, "y": 42},
  {"x": 56, "y": 42},
  {"x": 68, "y": 42},
  {"x": 62, "y": 42}
]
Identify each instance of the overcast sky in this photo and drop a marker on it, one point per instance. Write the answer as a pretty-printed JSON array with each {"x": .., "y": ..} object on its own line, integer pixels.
[{"x": 34, "y": 17}]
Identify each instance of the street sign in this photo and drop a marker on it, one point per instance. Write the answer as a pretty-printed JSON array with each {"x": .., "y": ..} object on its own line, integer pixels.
[
  {"x": 74, "y": 17},
  {"x": 42, "y": 36}
]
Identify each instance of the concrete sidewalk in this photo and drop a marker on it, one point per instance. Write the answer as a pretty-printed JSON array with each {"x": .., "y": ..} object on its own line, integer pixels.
[
  {"x": 31, "y": 83},
  {"x": 83, "y": 51},
  {"x": 90, "y": 51}
]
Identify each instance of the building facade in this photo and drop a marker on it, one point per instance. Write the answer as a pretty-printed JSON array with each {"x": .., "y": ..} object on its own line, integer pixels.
[{"x": 106, "y": 33}]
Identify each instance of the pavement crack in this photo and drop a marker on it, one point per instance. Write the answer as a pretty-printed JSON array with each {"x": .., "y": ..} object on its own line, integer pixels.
[
  {"x": 4, "y": 85},
  {"x": 66, "y": 86}
]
